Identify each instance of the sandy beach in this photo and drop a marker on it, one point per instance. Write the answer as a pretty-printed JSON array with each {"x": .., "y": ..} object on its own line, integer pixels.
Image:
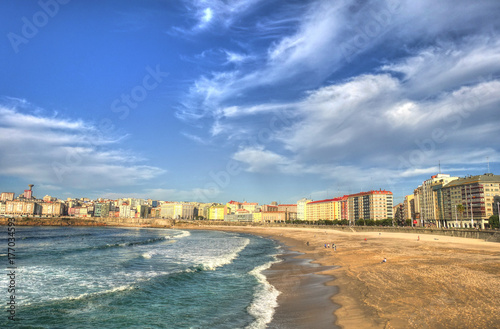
[{"x": 428, "y": 281}]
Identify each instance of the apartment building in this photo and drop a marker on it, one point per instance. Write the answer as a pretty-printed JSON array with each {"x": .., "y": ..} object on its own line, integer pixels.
[
  {"x": 22, "y": 208},
  {"x": 417, "y": 202},
  {"x": 375, "y": 205},
  {"x": 432, "y": 198},
  {"x": 102, "y": 209},
  {"x": 409, "y": 207},
  {"x": 177, "y": 210},
  {"x": 53, "y": 209},
  {"x": 7, "y": 196},
  {"x": 328, "y": 209},
  {"x": 476, "y": 194},
  {"x": 217, "y": 212},
  {"x": 301, "y": 208}
]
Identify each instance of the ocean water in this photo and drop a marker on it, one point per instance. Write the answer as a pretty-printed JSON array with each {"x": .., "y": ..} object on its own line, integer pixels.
[{"x": 80, "y": 277}]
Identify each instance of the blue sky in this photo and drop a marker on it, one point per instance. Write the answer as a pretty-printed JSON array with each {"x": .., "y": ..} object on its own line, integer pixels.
[{"x": 257, "y": 100}]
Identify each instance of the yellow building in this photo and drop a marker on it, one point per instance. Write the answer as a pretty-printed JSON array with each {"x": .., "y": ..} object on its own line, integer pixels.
[
  {"x": 142, "y": 211},
  {"x": 217, "y": 212},
  {"x": 329, "y": 209},
  {"x": 176, "y": 210},
  {"x": 407, "y": 207},
  {"x": 257, "y": 217}
]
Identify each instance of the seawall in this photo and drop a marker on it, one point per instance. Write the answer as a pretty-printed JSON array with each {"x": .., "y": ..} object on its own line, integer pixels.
[
  {"x": 487, "y": 235},
  {"x": 92, "y": 221}
]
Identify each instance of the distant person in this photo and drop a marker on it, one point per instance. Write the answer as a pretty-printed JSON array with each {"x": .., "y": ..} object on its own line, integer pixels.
[{"x": 384, "y": 260}]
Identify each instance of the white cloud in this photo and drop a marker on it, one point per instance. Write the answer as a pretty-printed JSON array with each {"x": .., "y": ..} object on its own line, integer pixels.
[
  {"x": 449, "y": 65},
  {"x": 207, "y": 15},
  {"x": 209, "y": 12},
  {"x": 62, "y": 152},
  {"x": 433, "y": 97},
  {"x": 371, "y": 121},
  {"x": 259, "y": 160}
]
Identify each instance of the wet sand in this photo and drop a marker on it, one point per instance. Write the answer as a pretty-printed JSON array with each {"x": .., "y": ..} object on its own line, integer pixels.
[
  {"x": 304, "y": 301},
  {"x": 427, "y": 282}
]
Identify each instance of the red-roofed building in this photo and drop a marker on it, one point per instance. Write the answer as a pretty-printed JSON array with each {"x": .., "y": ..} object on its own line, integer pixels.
[{"x": 328, "y": 209}]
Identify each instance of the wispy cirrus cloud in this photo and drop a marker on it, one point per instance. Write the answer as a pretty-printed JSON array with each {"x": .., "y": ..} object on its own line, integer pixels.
[{"x": 327, "y": 37}]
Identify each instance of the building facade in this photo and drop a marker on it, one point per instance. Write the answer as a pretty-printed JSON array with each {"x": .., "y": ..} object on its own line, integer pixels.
[
  {"x": 374, "y": 205},
  {"x": 301, "y": 208},
  {"x": 7, "y": 196},
  {"x": 217, "y": 212},
  {"x": 53, "y": 209},
  {"x": 475, "y": 195},
  {"x": 328, "y": 209},
  {"x": 273, "y": 216},
  {"x": 432, "y": 199},
  {"x": 22, "y": 208}
]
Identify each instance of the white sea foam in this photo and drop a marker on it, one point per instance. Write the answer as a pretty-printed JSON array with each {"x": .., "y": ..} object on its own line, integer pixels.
[
  {"x": 212, "y": 263},
  {"x": 100, "y": 293},
  {"x": 265, "y": 298},
  {"x": 182, "y": 234}
]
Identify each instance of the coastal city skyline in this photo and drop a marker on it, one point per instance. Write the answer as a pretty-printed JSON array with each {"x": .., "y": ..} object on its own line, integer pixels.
[
  {"x": 438, "y": 201},
  {"x": 211, "y": 101}
]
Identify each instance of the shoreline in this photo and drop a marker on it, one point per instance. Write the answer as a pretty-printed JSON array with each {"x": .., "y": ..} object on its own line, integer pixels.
[
  {"x": 429, "y": 281},
  {"x": 305, "y": 296}
]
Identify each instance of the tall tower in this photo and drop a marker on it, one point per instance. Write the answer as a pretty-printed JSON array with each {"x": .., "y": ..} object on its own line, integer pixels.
[{"x": 28, "y": 194}]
